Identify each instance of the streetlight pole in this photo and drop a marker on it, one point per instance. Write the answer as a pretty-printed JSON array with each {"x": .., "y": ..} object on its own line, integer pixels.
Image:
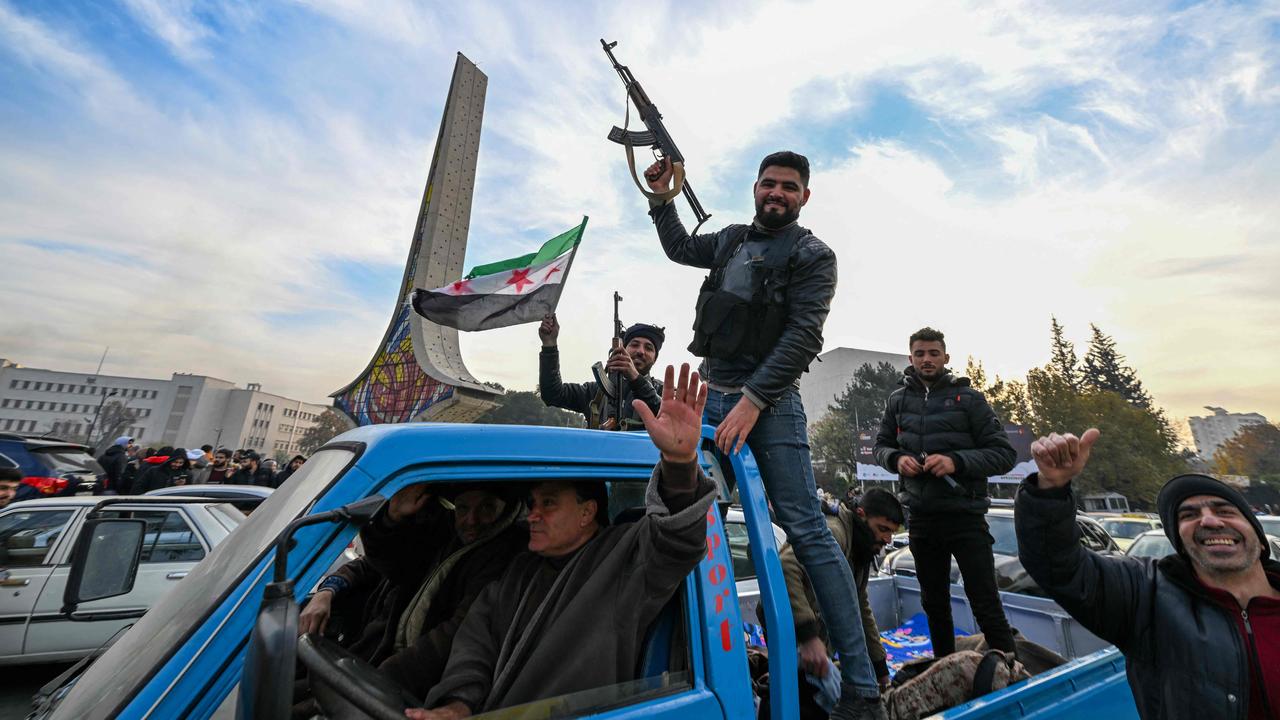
[{"x": 88, "y": 438}]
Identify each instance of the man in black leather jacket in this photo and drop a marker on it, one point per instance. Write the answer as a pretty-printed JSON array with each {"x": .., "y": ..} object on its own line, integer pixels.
[
  {"x": 759, "y": 325},
  {"x": 1199, "y": 629},
  {"x": 943, "y": 440}
]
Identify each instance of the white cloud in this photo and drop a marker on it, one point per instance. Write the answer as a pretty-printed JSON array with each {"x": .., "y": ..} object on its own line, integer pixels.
[
  {"x": 175, "y": 23},
  {"x": 189, "y": 225}
]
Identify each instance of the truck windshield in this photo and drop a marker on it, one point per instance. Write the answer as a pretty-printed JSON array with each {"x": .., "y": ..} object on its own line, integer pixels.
[{"x": 115, "y": 676}]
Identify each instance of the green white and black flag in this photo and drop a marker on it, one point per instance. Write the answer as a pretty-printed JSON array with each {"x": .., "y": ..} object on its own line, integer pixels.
[{"x": 509, "y": 292}]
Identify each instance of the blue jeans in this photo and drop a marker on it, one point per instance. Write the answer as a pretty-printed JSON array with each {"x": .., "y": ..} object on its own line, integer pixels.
[{"x": 780, "y": 444}]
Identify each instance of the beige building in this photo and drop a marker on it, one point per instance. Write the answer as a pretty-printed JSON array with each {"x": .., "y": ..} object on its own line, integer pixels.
[
  {"x": 1211, "y": 431},
  {"x": 182, "y": 411}
]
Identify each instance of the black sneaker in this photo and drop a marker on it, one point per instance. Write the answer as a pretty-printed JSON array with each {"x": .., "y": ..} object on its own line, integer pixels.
[{"x": 853, "y": 706}]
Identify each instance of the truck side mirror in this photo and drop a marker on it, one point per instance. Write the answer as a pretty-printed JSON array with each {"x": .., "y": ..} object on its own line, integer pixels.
[
  {"x": 104, "y": 563},
  {"x": 266, "y": 684}
]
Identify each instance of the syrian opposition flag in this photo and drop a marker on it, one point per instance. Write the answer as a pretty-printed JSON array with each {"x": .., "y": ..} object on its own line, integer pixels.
[{"x": 508, "y": 292}]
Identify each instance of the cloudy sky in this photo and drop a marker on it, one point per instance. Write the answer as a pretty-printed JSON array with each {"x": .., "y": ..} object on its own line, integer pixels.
[{"x": 230, "y": 188}]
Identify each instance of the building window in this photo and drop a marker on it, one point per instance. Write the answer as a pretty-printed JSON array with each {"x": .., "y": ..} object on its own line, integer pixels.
[
  {"x": 13, "y": 384},
  {"x": 26, "y": 384}
]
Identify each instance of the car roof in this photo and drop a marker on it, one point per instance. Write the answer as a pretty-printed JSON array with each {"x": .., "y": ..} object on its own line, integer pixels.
[
  {"x": 214, "y": 490},
  {"x": 84, "y": 501},
  {"x": 523, "y": 452},
  {"x": 37, "y": 442}
]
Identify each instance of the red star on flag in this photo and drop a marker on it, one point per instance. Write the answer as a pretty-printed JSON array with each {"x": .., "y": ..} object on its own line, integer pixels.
[
  {"x": 554, "y": 269},
  {"x": 519, "y": 278},
  {"x": 460, "y": 287}
]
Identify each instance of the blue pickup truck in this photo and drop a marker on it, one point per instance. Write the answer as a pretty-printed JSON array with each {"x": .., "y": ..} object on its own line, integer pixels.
[{"x": 223, "y": 643}]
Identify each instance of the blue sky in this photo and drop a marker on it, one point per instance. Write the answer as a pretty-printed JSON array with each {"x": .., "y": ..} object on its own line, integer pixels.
[{"x": 230, "y": 188}]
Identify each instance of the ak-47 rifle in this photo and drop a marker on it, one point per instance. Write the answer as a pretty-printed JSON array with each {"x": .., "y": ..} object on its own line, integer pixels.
[
  {"x": 657, "y": 137},
  {"x": 618, "y": 332}
]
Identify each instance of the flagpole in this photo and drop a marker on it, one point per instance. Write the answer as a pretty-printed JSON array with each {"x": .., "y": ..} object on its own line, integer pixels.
[{"x": 564, "y": 279}]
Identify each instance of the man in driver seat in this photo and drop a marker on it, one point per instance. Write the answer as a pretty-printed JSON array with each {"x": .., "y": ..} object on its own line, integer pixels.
[{"x": 571, "y": 614}]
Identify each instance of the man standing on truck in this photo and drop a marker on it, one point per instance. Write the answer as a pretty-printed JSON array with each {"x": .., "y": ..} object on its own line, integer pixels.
[
  {"x": 943, "y": 440},
  {"x": 571, "y": 614},
  {"x": 1199, "y": 629},
  {"x": 757, "y": 327},
  {"x": 861, "y": 528},
  {"x": 633, "y": 359}
]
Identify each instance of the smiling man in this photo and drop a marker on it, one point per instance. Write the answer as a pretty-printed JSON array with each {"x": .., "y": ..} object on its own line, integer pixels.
[
  {"x": 757, "y": 326},
  {"x": 641, "y": 344},
  {"x": 1199, "y": 629}
]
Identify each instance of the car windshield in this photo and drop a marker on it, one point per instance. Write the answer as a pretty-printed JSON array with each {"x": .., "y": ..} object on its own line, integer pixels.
[
  {"x": 113, "y": 679},
  {"x": 1155, "y": 545},
  {"x": 1004, "y": 534},
  {"x": 1127, "y": 529}
]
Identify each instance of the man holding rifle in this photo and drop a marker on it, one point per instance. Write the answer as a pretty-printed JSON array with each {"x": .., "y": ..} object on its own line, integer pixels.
[
  {"x": 631, "y": 360},
  {"x": 758, "y": 326}
]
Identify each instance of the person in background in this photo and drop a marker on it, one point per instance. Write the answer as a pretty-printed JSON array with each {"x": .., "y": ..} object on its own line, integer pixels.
[
  {"x": 292, "y": 467},
  {"x": 176, "y": 470},
  {"x": 114, "y": 461},
  {"x": 251, "y": 471},
  {"x": 10, "y": 479}
]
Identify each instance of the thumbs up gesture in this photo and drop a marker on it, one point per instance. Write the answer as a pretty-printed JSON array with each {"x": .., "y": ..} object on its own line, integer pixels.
[{"x": 1062, "y": 457}]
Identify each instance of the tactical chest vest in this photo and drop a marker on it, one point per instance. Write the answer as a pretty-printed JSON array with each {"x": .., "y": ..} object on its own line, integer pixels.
[{"x": 727, "y": 326}]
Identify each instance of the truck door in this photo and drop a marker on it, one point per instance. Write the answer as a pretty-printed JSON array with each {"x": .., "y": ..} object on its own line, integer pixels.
[
  {"x": 27, "y": 541},
  {"x": 171, "y": 547}
]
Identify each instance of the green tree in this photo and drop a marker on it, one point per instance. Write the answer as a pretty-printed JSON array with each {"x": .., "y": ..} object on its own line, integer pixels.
[
  {"x": 1007, "y": 397},
  {"x": 1105, "y": 370},
  {"x": 524, "y": 407},
  {"x": 863, "y": 400},
  {"x": 833, "y": 439},
  {"x": 1253, "y": 451},
  {"x": 1062, "y": 355},
  {"x": 328, "y": 426}
]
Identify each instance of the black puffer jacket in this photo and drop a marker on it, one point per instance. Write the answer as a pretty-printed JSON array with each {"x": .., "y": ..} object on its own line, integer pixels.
[
  {"x": 952, "y": 419},
  {"x": 809, "y": 289},
  {"x": 579, "y": 396},
  {"x": 1184, "y": 655}
]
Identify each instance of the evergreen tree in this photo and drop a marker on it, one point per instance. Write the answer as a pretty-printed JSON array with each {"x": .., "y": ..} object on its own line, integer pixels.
[
  {"x": 833, "y": 439},
  {"x": 1007, "y": 397},
  {"x": 1104, "y": 370},
  {"x": 863, "y": 400},
  {"x": 1062, "y": 356},
  {"x": 1253, "y": 451}
]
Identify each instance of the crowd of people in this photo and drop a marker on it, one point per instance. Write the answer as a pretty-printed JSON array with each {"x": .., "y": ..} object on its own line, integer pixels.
[{"x": 130, "y": 469}]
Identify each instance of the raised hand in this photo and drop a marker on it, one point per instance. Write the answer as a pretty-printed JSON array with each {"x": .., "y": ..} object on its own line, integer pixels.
[
  {"x": 549, "y": 330},
  {"x": 1062, "y": 457},
  {"x": 658, "y": 175},
  {"x": 677, "y": 428}
]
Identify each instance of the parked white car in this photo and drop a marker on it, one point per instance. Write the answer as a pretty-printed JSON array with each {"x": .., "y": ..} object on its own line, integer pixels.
[{"x": 36, "y": 541}]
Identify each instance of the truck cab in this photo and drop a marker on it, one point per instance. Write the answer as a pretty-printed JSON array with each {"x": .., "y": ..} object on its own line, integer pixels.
[{"x": 224, "y": 643}]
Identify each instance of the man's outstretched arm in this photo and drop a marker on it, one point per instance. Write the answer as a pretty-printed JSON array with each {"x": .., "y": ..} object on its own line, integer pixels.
[
  {"x": 1104, "y": 594},
  {"x": 553, "y": 391}
]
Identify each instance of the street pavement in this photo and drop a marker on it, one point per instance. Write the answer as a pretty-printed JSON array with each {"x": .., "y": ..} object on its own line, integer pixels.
[{"x": 19, "y": 682}]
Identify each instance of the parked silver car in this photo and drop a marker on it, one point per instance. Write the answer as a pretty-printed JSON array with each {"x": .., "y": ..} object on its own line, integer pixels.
[{"x": 36, "y": 540}]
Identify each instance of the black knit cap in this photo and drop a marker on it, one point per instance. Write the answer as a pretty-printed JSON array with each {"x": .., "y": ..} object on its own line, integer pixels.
[
  {"x": 652, "y": 333},
  {"x": 1184, "y": 486}
]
